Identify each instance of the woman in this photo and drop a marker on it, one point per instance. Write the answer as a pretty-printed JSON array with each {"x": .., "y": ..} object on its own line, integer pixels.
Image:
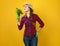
[{"x": 29, "y": 19}]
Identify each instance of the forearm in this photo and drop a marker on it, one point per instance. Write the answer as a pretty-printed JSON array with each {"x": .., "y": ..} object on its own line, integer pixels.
[{"x": 20, "y": 24}]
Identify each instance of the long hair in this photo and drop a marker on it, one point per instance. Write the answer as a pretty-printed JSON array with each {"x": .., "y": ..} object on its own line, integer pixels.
[{"x": 31, "y": 13}]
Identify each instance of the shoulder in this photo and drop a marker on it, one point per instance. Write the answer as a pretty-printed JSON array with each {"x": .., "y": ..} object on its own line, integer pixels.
[
  {"x": 23, "y": 18},
  {"x": 35, "y": 15}
]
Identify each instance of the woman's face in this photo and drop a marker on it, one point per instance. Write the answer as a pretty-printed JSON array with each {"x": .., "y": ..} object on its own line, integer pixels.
[{"x": 26, "y": 8}]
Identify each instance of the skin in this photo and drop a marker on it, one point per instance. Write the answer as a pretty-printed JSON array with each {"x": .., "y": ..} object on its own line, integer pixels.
[{"x": 27, "y": 11}]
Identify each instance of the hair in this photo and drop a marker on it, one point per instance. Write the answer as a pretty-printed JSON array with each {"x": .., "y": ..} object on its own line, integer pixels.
[
  {"x": 31, "y": 10},
  {"x": 31, "y": 13}
]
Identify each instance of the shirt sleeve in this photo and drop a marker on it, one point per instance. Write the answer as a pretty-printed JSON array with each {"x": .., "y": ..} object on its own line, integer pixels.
[
  {"x": 21, "y": 23},
  {"x": 39, "y": 21}
]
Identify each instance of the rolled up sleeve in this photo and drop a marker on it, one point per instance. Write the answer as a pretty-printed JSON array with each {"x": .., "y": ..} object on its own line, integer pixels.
[{"x": 21, "y": 23}]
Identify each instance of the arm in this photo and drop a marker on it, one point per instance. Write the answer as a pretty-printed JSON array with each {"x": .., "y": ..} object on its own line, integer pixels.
[
  {"x": 20, "y": 24},
  {"x": 40, "y": 22}
]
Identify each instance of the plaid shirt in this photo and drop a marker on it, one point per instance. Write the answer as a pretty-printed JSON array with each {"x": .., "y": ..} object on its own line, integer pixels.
[{"x": 30, "y": 24}]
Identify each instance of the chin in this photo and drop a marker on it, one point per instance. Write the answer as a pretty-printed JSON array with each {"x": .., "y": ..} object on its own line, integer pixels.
[{"x": 26, "y": 11}]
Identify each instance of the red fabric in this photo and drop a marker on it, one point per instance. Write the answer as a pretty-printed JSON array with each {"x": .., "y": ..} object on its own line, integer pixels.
[{"x": 30, "y": 24}]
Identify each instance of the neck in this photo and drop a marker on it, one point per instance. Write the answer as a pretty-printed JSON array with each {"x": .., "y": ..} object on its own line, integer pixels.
[{"x": 28, "y": 14}]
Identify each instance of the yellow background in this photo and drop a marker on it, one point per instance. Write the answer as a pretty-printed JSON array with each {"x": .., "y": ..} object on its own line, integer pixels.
[{"x": 48, "y": 11}]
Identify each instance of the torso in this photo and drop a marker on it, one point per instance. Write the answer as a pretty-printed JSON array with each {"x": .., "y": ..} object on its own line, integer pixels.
[{"x": 30, "y": 25}]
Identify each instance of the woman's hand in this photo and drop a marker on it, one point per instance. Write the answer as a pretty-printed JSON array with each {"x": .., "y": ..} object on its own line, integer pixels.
[
  {"x": 18, "y": 23},
  {"x": 39, "y": 29}
]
